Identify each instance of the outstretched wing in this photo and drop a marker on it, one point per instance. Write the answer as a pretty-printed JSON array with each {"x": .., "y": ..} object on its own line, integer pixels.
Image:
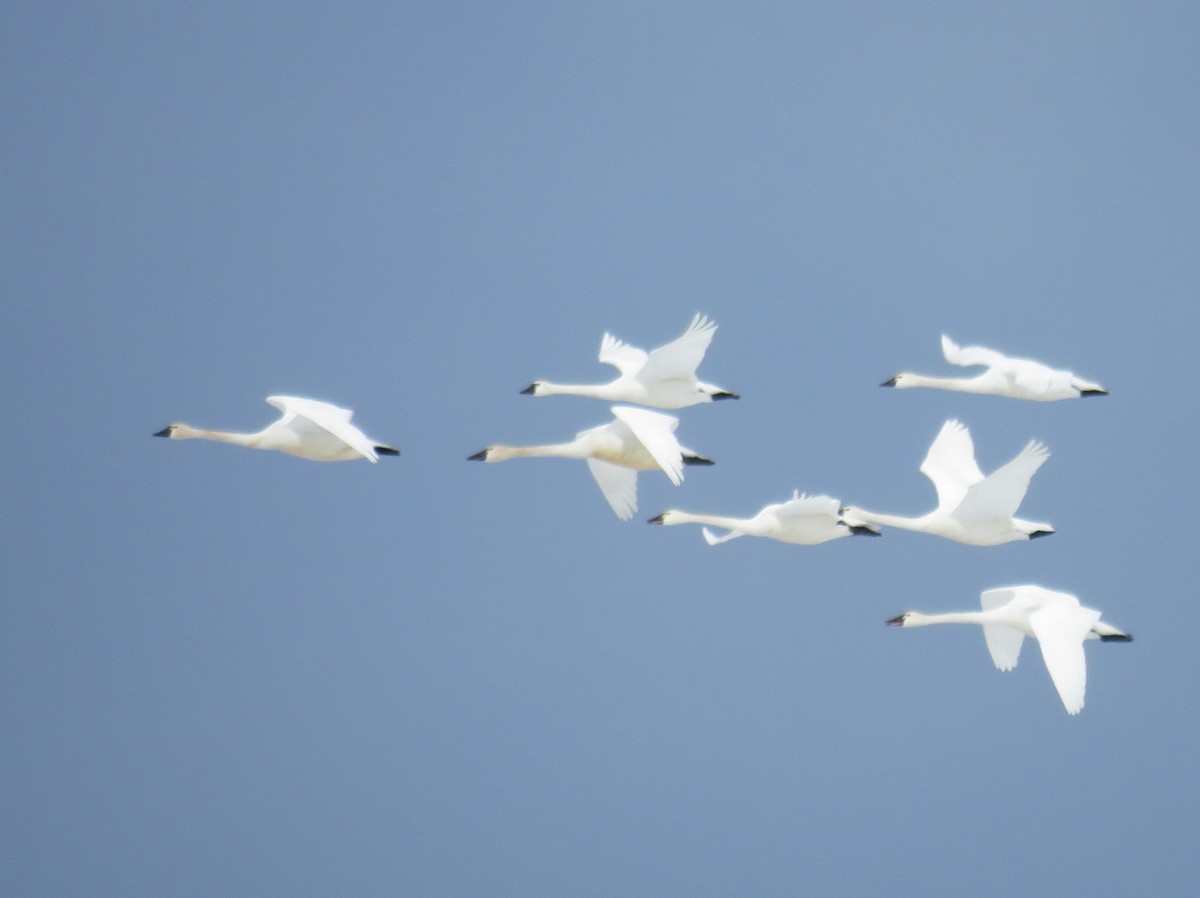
[
  {"x": 1060, "y": 626},
  {"x": 657, "y": 433},
  {"x": 625, "y": 358},
  {"x": 619, "y": 486},
  {"x": 312, "y": 413},
  {"x": 680, "y": 358},
  {"x": 1003, "y": 643},
  {"x": 950, "y": 464},
  {"x": 971, "y": 355},
  {"x": 999, "y": 495}
]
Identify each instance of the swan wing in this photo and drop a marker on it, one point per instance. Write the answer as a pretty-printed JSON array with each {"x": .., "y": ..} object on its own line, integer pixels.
[
  {"x": 680, "y": 358},
  {"x": 1061, "y": 626},
  {"x": 801, "y": 505},
  {"x": 950, "y": 464},
  {"x": 967, "y": 356},
  {"x": 656, "y": 432},
  {"x": 999, "y": 495},
  {"x": 625, "y": 358},
  {"x": 619, "y": 486},
  {"x": 713, "y": 540},
  {"x": 312, "y": 414},
  {"x": 1003, "y": 643}
]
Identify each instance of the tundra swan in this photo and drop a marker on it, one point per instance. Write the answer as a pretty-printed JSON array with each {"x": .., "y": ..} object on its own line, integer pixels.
[
  {"x": 805, "y": 520},
  {"x": 1055, "y": 619},
  {"x": 662, "y": 378},
  {"x": 636, "y": 440},
  {"x": 308, "y": 428},
  {"x": 1018, "y": 378},
  {"x": 971, "y": 509}
]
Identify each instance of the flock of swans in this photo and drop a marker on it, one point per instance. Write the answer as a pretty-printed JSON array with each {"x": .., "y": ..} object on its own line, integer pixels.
[{"x": 971, "y": 508}]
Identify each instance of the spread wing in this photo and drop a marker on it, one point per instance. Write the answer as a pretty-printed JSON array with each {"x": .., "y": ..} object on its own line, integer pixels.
[
  {"x": 619, "y": 486},
  {"x": 679, "y": 359},
  {"x": 657, "y": 433},
  {"x": 950, "y": 464},
  {"x": 301, "y": 414},
  {"x": 1061, "y": 625},
  {"x": 625, "y": 358},
  {"x": 971, "y": 355},
  {"x": 999, "y": 495},
  {"x": 1003, "y": 643}
]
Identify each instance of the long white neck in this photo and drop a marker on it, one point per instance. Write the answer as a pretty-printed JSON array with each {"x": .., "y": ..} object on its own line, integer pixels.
[
  {"x": 712, "y": 520},
  {"x": 556, "y": 450},
  {"x": 958, "y": 384},
  {"x": 185, "y": 432},
  {"x": 917, "y": 619},
  {"x": 594, "y": 391}
]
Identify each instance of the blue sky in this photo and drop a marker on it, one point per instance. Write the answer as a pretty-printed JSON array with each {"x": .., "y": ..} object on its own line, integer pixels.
[{"x": 231, "y": 672}]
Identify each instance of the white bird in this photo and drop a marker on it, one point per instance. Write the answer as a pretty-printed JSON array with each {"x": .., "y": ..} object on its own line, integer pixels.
[
  {"x": 663, "y": 378},
  {"x": 804, "y": 520},
  {"x": 1018, "y": 378},
  {"x": 1055, "y": 619},
  {"x": 308, "y": 428},
  {"x": 971, "y": 508},
  {"x": 636, "y": 440}
]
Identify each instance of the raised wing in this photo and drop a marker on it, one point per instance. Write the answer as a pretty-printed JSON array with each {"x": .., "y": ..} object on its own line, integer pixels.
[
  {"x": 971, "y": 355},
  {"x": 625, "y": 358},
  {"x": 999, "y": 495},
  {"x": 950, "y": 464},
  {"x": 680, "y": 358},
  {"x": 329, "y": 418},
  {"x": 1061, "y": 626},
  {"x": 619, "y": 486},
  {"x": 657, "y": 433},
  {"x": 801, "y": 505},
  {"x": 1003, "y": 643}
]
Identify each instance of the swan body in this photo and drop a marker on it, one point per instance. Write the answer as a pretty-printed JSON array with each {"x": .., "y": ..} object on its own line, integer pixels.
[
  {"x": 971, "y": 509},
  {"x": 635, "y": 440},
  {"x": 1005, "y": 376},
  {"x": 804, "y": 520},
  {"x": 662, "y": 378},
  {"x": 1055, "y": 619},
  {"x": 308, "y": 428}
]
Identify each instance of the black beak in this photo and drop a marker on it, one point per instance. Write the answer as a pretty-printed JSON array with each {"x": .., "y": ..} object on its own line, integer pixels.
[
  {"x": 165, "y": 432},
  {"x": 478, "y": 456},
  {"x": 657, "y": 519},
  {"x": 528, "y": 391},
  {"x": 897, "y": 621},
  {"x": 891, "y": 382}
]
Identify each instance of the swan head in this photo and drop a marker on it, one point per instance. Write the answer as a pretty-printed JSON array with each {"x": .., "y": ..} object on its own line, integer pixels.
[
  {"x": 175, "y": 432},
  {"x": 900, "y": 620},
  {"x": 537, "y": 388},
  {"x": 493, "y": 453},
  {"x": 665, "y": 518},
  {"x": 900, "y": 381}
]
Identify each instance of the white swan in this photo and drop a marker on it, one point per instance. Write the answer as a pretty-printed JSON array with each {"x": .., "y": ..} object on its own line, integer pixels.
[
  {"x": 637, "y": 440},
  {"x": 308, "y": 428},
  {"x": 1055, "y": 619},
  {"x": 804, "y": 520},
  {"x": 971, "y": 509},
  {"x": 1018, "y": 378},
  {"x": 663, "y": 378}
]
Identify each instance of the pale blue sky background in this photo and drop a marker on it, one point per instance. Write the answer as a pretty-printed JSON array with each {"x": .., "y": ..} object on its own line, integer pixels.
[{"x": 234, "y": 673}]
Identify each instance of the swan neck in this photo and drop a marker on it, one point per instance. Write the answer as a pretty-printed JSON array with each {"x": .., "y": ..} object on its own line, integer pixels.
[
  {"x": 593, "y": 391},
  {"x": 710, "y": 520},
  {"x": 917, "y": 619},
  {"x": 958, "y": 384},
  {"x": 252, "y": 440}
]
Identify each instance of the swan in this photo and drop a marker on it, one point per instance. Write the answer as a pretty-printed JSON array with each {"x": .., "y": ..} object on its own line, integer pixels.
[
  {"x": 635, "y": 440},
  {"x": 1055, "y": 619},
  {"x": 1018, "y": 378},
  {"x": 804, "y": 520},
  {"x": 308, "y": 428},
  {"x": 971, "y": 509},
  {"x": 662, "y": 378}
]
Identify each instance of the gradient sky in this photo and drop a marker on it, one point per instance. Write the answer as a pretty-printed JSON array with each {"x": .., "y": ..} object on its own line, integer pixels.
[{"x": 226, "y": 672}]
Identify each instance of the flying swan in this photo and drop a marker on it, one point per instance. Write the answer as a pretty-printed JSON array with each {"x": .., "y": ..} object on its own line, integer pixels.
[
  {"x": 662, "y": 378},
  {"x": 1055, "y": 619},
  {"x": 308, "y": 428},
  {"x": 1018, "y": 378},
  {"x": 804, "y": 520},
  {"x": 636, "y": 440},
  {"x": 971, "y": 509}
]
